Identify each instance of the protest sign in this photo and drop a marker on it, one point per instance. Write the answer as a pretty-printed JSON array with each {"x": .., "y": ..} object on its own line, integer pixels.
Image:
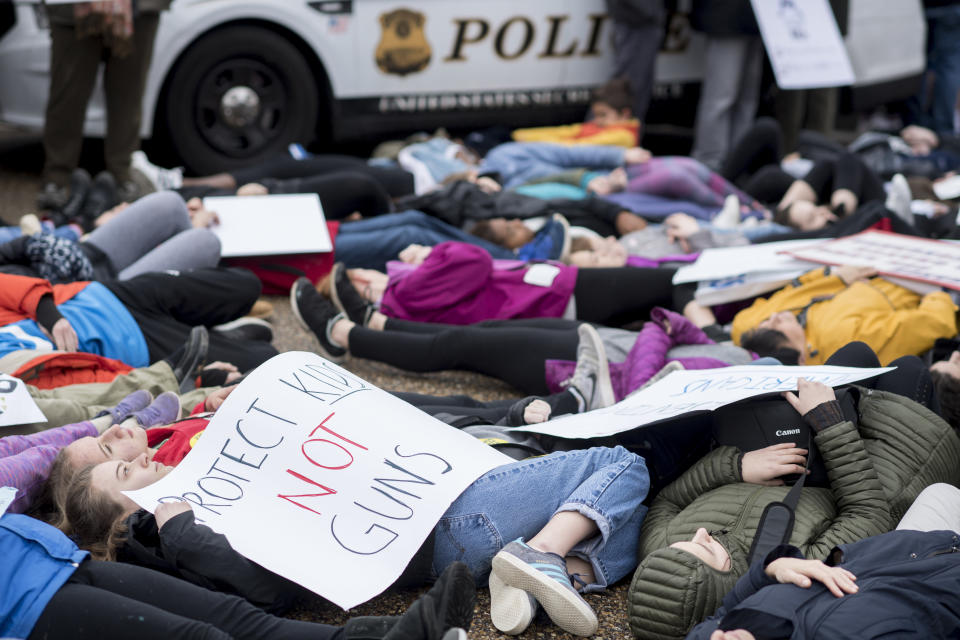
[
  {"x": 16, "y": 405},
  {"x": 269, "y": 225},
  {"x": 742, "y": 287},
  {"x": 684, "y": 392},
  {"x": 803, "y": 43},
  {"x": 931, "y": 261},
  {"x": 322, "y": 478},
  {"x": 731, "y": 262}
]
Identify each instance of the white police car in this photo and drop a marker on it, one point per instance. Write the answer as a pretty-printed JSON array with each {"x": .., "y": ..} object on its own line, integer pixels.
[{"x": 237, "y": 80}]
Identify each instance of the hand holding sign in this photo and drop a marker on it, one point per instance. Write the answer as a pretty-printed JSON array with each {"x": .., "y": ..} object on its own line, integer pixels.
[{"x": 809, "y": 396}]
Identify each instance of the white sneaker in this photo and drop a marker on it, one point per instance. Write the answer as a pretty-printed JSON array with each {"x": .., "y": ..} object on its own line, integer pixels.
[
  {"x": 899, "y": 198},
  {"x": 591, "y": 378},
  {"x": 162, "y": 179},
  {"x": 729, "y": 216},
  {"x": 30, "y": 224}
]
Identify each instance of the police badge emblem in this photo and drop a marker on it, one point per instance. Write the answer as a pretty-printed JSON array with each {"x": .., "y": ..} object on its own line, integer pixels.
[{"x": 403, "y": 46}]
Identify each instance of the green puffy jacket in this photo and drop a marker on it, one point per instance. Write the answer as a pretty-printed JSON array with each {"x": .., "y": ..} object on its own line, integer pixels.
[{"x": 875, "y": 473}]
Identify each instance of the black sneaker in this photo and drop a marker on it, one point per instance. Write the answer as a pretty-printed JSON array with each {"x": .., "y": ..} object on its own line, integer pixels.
[
  {"x": 102, "y": 197},
  {"x": 317, "y": 314},
  {"x": 192, "y": 355},
  {"x": 448, "y": 604},
  {"x": 52, "y": 197},
  {"x": 245, "y": 329},
  {"x": 80, "y": 183},
  {"x": 346, "y": 297}
]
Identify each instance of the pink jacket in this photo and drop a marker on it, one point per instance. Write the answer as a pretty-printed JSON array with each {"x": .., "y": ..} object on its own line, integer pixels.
[{"x": 460, "y": 283}]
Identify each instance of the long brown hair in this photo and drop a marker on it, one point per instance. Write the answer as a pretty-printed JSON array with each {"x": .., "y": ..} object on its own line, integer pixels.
[
  {"x": 48, "y": 503},
  {"x": 92, "y": 518}
]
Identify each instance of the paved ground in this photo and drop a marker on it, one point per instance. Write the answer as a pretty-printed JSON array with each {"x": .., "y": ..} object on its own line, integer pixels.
[{"x": 19, "y": 181}]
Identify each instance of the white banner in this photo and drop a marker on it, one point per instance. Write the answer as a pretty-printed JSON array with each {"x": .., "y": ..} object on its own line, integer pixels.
[
  {"x": 803, "y": 43},
  {"x": 934, "y": 262},
  {"x": 322, "y": 478},
  {"x": 691, "y": 391},
  {"x": 16, "y": 405},
  {"x": 270, "y": 225},
  {"x": 742, "y": 287},
  {"x": 731, "y": 262}
]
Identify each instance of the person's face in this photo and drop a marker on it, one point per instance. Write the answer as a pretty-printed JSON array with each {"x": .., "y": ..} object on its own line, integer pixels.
[
  {"x": 116, "y": 443},
  {"x": 604, "y": 115},
  {"x": 117, "y": 476},
  {"x": 703, "y": 546},
  {"x": 949, "y": 367},
  {"x": 513, "y": 234},
  {"x": 807, "y": 216},
  {"x": 786, "y": 323},
  {"x": 613, "y": 182}
]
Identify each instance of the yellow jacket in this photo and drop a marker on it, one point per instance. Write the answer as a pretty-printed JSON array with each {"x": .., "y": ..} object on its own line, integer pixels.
[
  {"x": 894, "y": 321},
  {"x": 623, "y": 134}
]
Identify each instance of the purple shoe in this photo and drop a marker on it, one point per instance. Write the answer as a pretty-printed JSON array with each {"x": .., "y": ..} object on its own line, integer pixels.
[
  {"x": 164, "y": 410},
  {"x": 136, "y": 401}
]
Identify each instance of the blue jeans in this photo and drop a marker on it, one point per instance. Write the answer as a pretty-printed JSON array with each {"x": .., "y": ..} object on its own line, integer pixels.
[
  {"x": 943, "y": 61},
  {"x": 516, "y": 500},
  {"x": 370, "y": 243}
]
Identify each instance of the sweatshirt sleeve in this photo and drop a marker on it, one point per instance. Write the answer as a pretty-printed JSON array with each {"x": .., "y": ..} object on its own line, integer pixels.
[
  {"x": 453, "y": 272},
  {"x": 716, "y": 469},
  {"x": 20, "y": 294}
]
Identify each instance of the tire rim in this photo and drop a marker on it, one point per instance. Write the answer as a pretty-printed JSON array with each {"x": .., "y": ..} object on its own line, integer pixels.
[{"x": 241, "y": 107}]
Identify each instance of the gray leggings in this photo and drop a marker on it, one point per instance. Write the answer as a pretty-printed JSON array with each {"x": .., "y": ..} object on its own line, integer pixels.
[{"x": 154, "y": 234}]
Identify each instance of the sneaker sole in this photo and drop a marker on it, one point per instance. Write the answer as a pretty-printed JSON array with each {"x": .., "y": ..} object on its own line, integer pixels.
[
  {"x": 510, "y": 609},
  {"x": 567, "y": 610},
  {"x": 306, "y": 327},
  {"x": 603, "y": 389},
  {"x": 459, "y": 601}
]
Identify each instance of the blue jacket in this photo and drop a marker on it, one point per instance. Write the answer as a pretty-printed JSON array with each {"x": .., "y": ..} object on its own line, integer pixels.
[
  {"x": 37, "y": 560},
  {"x": 909, "y": 587},
  {"x": 520, "y": 162}
]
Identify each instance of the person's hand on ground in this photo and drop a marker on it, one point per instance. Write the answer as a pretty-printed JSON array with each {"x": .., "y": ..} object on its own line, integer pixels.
[
  {"x": 253, "y": 189},
  {"x": 636, "y": 155},
  {"x": 733, "y": 634},
  {"x": 415, "y": 254},
  {"x": 809, "y": 395},
  {"x": 627, "y": 222},
  {"x": 63, "y": 335},
  {"x": 213, "y": 401},
  {"x": 801, "y": 573},
  {"x": 232, "y": 371},
  {"x": 851, "y": 273},
  {"x": 169, "y": 510},
  {"x": 488, "y": 184},
  {"x": 679, "y": 227},
  {"x": 203, "y": 218},
  {"x": 536, "y": 412},
  {"x": 765, "y": 466}
]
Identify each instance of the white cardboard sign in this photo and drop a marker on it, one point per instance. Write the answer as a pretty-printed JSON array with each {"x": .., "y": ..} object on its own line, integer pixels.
[
  {"x": 691, "y": 391},
  {"x": 933, "y": 262},
  {"x": 270, "y": 225},
  {"x": 731, "y": 262},
  {"x": 803, "y": 43},
  {"x": 16, "y": 405},
  {"x": 322, "y": 478}
]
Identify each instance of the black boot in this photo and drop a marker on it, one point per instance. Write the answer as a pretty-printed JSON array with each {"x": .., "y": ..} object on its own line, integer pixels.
[
  {"x": 79, "y": 189},
  {"x": 187, "y": 359},
  {"x": 102, "y": 197},
  {"x": 449, "y": 603}
]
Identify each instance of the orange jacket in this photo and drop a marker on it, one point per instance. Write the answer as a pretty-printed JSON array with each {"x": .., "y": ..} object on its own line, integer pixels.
[{"x": 19, "y": 296}]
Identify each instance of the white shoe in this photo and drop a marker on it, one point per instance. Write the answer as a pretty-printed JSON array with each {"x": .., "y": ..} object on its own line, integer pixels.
[
  {"x": 30, "y": 224},
  {"x": 511, "y": 609},
  {"x": 729, "y": 216},
  {"x": 161, "y": 179},
  {"x": 899, "y": 198},
  {"x": 591, "y": 378}
]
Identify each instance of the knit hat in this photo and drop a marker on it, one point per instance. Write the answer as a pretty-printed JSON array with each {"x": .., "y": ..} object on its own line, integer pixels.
[
  {"x": 673, "y": 590},
  {"x": 57, "y": 259}
]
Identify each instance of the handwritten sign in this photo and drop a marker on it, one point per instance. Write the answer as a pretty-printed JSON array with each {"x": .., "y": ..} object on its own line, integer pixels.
[
  {"x": 16, "y": 405},
  {"x": 270, "y": 225},
  {"x": 742, "y": 287},
  {"x": 692, "y": 391},
  {"x": 322, "y": 478},
  {"x": 732, "y": 262},
  {"x": 7, "y": 495},
  {"x": 935, "y": 262},
  {"x": 803, "y": 43}
]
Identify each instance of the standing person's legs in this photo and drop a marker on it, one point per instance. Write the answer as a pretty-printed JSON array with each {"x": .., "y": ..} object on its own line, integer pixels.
[
  {"x": 725, "y": 59},
  {"x": 140, "y": 227},
  {"x": 790, "y": 106},
  {"x": 617, "y": 296},
  {"x": 73, "y": 73},
  {"x": 944, "y": 52},
  {"x": 117, "y": 600},
  {"x": 124, "y": 81},
  {"x": 748, "y": 94},
  {"x": 937, "y": 508},
  {"x": 635, "y": 54}
]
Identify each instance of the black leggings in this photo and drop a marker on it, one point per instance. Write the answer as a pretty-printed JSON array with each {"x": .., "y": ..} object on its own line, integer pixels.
[
  {"x": 116, "y": 600},
  {"x": 617, "y": 296},
  {"x": 492, "y": 412},
  {"x": 398, "y": 182},
  {"x": 512, "y": 350},
  {"x": 341, "y": 193},
  {"x": 910, "y": 379}
]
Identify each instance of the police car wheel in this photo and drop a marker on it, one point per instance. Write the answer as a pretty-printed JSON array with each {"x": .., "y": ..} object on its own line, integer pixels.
[{"x": 237, "y": 96}]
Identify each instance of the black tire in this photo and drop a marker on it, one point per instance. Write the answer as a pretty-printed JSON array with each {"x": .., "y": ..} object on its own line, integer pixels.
[{"x": 203, "y": 136}]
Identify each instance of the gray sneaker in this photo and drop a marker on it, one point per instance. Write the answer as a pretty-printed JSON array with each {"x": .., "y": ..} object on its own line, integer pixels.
[
  {"x": 544, "y": 576},
  {"x": 591, "y": 378}
]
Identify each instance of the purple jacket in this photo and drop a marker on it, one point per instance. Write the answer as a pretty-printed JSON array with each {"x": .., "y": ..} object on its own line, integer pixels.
[
  {"x": 25, "y": 460},
  {"x": 648, "y": 355},
  {"x": 459, "y": 283}
]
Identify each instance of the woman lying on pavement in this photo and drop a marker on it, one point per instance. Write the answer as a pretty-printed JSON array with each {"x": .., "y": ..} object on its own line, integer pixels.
[
  {"x": 875, "y": 470},
  {"x": 904, "y": 582},
  {"x": 53, "y": 590},
  {"x": 581, "y": 517}
]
